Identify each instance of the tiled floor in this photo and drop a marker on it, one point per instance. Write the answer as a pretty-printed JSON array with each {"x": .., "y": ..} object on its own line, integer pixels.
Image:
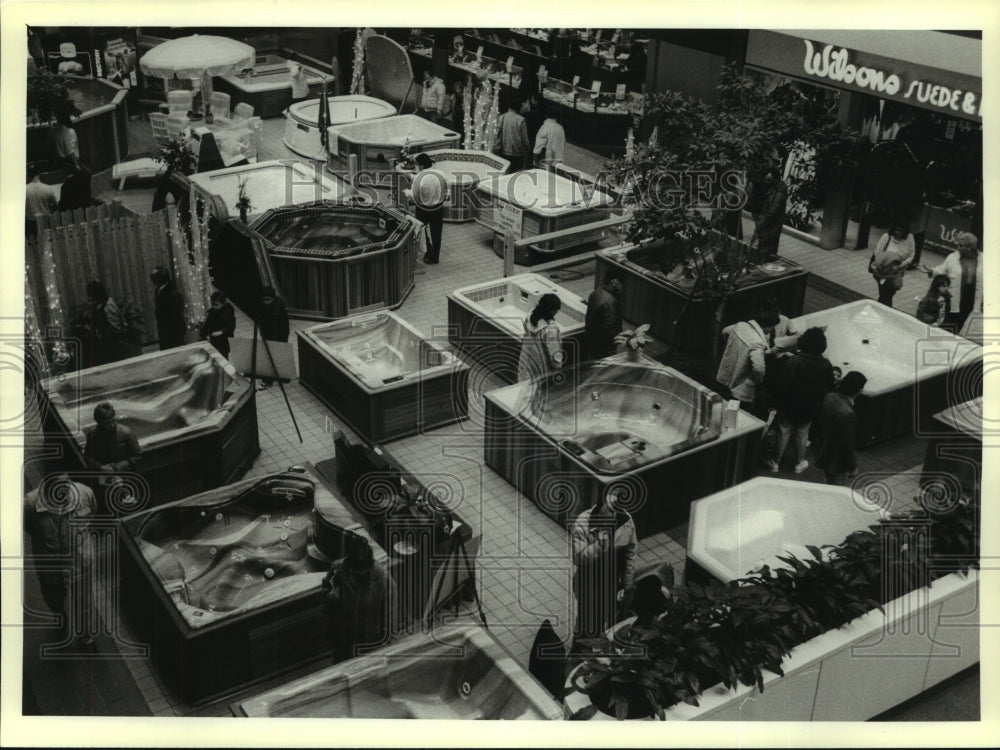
[{"x": 523, "y": 563}]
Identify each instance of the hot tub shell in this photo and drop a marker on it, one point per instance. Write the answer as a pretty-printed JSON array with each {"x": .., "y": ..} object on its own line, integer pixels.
[
  {"x": 486, "y": 321},
  {"x": 460, "y": 673},
  {"x": 329, "y": 283},
  {"x": 302, "y": 120},
  {"x": 649, "y": 296},
  {"x": 955, "y": 451},
  {"x": 269, "y": 88},
  {"x": 398, "y": 383},
  {"x": 237, "y": 647},
  {"x": 913, "y": 370},
  {"x": 178, "y": 459},
  {"x": 378, "y": 144},
  {"x": 747, "y": 526},
  {"x": 560, "y": 462},
  {"x": 548, "y": 202},
  {"x": 464, "y": 170}
]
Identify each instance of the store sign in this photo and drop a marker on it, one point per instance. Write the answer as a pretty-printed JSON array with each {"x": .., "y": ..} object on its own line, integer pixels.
[
  {"x": 943, "y": 228},
  {"x": 509, "y": 219},
  {"x": 941, "y": 90}
]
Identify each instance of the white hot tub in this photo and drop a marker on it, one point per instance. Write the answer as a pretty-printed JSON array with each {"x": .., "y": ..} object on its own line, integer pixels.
[{"x": 302, "y": 120}]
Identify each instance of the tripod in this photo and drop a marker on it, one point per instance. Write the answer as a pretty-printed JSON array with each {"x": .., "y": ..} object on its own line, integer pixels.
[
  {"x": 270, "y": 357},
  {"x": 458, "y": 546}
]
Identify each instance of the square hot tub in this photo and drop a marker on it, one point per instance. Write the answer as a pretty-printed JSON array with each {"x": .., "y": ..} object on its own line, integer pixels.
[
  {"x": 640, "y": 429},
  {"x": 269, "y": 184},
  {"x": 547, "y": 202},
  {"x": 302, "y": 120},
  {"x": 268, "y": 87},
  {"x": 747, "y": 526},
  {"x": 194, "y": 417},
  {"x": 378, "y": 144},
  {"x": 458, "y": 673},
  {"x": 914, "y": 370},
  {"x": 463, "y": 171},
  {"x": 226, "y": 584},
  {"x": 486, "y": 321},
  {"x": 382, "y": 376}
]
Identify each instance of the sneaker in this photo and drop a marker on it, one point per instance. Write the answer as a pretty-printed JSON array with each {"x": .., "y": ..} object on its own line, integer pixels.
[
  {"x": 262, "y": 386},
  {"x": 801, "y": 466},
  {"x": 772, "y": 466}
]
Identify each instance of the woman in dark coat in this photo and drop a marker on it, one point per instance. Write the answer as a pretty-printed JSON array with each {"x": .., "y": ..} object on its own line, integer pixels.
[
  {"x": 169, "y": 309},
  {"x": 220, "y": 324}
]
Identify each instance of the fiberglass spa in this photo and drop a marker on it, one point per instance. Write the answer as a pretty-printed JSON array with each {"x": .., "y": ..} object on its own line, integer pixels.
[
  {"x": 456, "y": 673},
  {"x": 547, "y": 202},
  {"x": 639, "y": 428},
  {"x": 268, "y": 184},
  {"x": 194, "y": 417},
  {"x": 302, "y": 120},
  {"x": 463, "y": 171},
  {"x": 486, "y": 321},
  {"x": 379, "y": 143},
  {"x": 661, "y": 295},
  {"x": 914, "y": 370},
  {"x": 227, "y": 582},
  {"x": 331, "y": 260},
  {"x": 382, "y": 376},
  {"x": 742, "y": 528},
  {"x": 268, "y": 86}
]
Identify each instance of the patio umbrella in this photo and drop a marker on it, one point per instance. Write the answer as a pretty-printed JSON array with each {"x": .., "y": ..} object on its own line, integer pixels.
[{"x": 197, "y": 56}]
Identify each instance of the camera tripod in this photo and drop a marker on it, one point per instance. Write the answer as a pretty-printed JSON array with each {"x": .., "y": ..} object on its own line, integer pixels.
[
  {"x": 253, "y": 373},
  {"x": 457, "y": 547}
]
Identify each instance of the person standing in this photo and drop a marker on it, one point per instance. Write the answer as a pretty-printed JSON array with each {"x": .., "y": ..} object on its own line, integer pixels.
[
  {"x": 428, "y": 193},
  {"x": 39, "y": 200},
  {"x": 742, "y": 366},
  {"x": 771, "y": 214},
  {"x": 362, "y": 607},
  {"x": 169, "y": 310},
  {"x": 807, "y": 377},
  {"x": 48, "y": 514},
  {"x": 837, "y": 428},
  {"x": 542, "y": 355},
  {"x": 604, "y": 544},
  {"x": 300, "y": 85},
  {"x": 550, "y": 143},
  {"x": 534, "y": 115},
  {"x": 76, "y": 191},
  {"x": 432, "y": 100},
  {"x": 891, "y": 258},
  {"x": 964, "y": 268},
  {"x": 604, "y": 317},
  {"x": 458, "y": 107},
  {"x": 220, "y": 324},
  {"x": 106, "y": 326},
  {"x": 272, "y": 320},
  {"x": 65, "y": 143},
  {"x": 514, "y": 143}
]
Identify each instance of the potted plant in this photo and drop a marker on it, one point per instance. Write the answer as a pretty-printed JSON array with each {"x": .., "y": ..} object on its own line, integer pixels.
[
  {"x": 243, "y": 203},
  {"x": 48, "y": 98},
  {"x": 634, "y": 341}
]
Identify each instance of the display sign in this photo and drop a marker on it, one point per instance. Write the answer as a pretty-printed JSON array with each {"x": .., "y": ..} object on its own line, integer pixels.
[
  {"x": 241, "y": 354},
  {"x": 509, "y": 220},
  {"x": 944, "y": 91},
  {"x": 119, "y": 60},
  {"x": 942, "y": 227}
]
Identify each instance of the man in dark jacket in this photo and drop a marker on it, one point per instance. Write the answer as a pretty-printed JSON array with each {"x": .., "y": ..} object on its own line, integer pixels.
[
  {"x": 273, "y": 321},
  {"x": 771, "y": 215},
  {"x": 169, "y": 308},
  {"x": 803, "y": 380},
  {"x": 837, "y": 424},
  {"x": 604, "y": 317},
  {"x": 110, "y": 448}
]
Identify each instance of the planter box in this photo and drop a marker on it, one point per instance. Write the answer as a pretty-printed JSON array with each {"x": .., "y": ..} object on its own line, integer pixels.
[{"x": 859, "y": 671}]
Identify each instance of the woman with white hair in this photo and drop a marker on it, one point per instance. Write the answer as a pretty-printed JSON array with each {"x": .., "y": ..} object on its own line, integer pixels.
[{"x": 964, "y": 268}]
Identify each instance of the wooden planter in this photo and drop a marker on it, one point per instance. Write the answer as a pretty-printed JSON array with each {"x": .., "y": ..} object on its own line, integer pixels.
[
  {"x": 873, "y": 663},
  {"x": 649, "y": 297}
]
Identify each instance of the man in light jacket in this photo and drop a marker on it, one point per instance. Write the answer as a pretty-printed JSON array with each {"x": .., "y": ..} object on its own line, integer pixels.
[
  {"x": 742, "y": 366},
  {"x": 434, "y": 98},
  {"x": 550, "y": 143}
]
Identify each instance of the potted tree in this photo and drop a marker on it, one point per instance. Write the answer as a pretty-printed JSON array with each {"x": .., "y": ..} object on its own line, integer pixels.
[{"x": 634, "y": 342}]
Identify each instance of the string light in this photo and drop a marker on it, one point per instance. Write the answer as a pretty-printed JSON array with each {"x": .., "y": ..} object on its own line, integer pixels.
[{"x": 359, "y": 64}]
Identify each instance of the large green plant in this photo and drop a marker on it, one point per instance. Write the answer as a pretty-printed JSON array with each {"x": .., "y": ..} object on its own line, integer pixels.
[{"x": 49, "y": 97}]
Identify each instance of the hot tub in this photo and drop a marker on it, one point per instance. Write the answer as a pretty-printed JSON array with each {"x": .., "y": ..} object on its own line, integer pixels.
[
  {"x": 462, "y": 673},
  {"x": 913, "y": 369},
  {"x": 228, "y": 582},
  {"x": 953, "y": 461},
  {"x": 269, "y": 184},
  {"x": 194, "y": 417},
  {"x": 486, "y": 321},
  {"x": 302, "y": 120},
  {"x": 548, "y": 202},
  {"x": 268, "y": 87},
  {"x": 659, "y": 295},
  {"x": 641, "y": 428},
  {"x": 101, "y": 127},
  {"x": 381, "y": 376},
  {"x": 332, "y": 260},
  {"x": 463, "y": 170},
  {"x": 378, "y": 143},
  {"x": 745, "y": 527}
]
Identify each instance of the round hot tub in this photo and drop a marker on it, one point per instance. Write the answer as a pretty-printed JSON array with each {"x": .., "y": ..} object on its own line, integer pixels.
[
  {"x": 336, "y": 259},
  {"x": 302, "y": 120}
]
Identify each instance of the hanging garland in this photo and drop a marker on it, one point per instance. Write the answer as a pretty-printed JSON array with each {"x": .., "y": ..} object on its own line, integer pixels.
[
  {"x": 358, "y": 71},
  {"x": 55, "y": 307},
  {"x": 492, "y": 120},
  {"x": 482, "y": 114},
  {"x": 467, "y": 113}
]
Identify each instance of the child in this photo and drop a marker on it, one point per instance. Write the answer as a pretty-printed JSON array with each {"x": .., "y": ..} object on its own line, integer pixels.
[
  {"x": 937, "y": 302},
  {"x": 837, "y": 375}
]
